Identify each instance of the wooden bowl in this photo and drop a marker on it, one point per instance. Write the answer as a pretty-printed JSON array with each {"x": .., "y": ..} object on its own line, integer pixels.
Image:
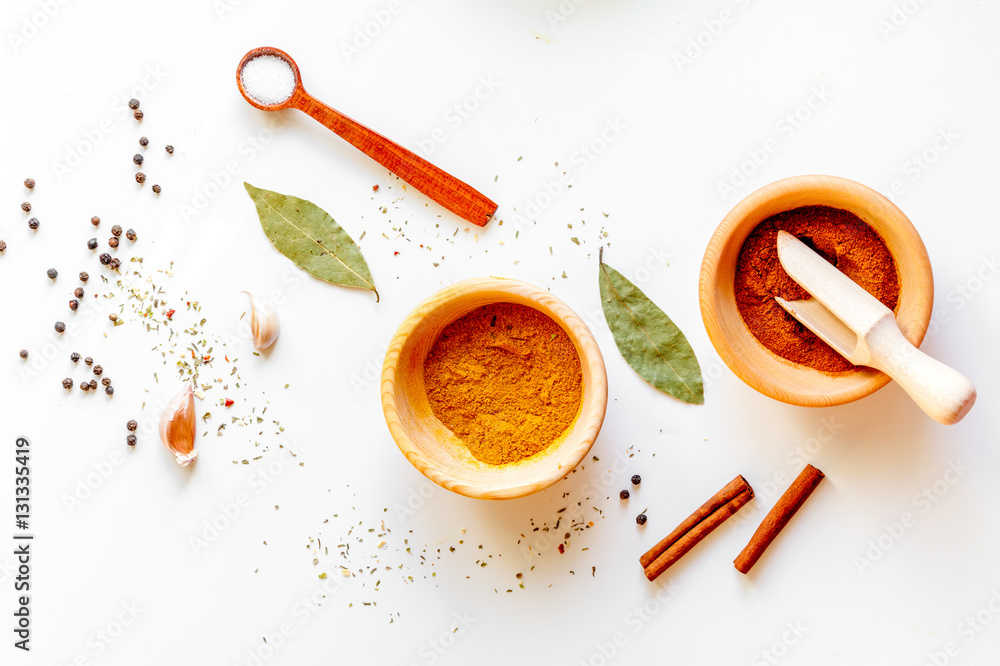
[
  {"x": 431, "y": 447},
  {"x": 761, "y": 368}
]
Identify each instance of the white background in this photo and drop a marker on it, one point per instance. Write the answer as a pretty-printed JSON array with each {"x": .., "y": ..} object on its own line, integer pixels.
[{"x": 889, "y": 83}]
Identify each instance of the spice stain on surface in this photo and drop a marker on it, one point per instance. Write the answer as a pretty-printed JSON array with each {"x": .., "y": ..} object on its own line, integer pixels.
[
  {"x": 506, "y": 380},
  {"x": 844, "y": 240}
]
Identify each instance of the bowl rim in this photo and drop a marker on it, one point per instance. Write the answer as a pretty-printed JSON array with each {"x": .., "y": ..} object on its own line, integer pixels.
[
  {"x": 587, "y": 426},
  {"x": 914, "y": 317}
]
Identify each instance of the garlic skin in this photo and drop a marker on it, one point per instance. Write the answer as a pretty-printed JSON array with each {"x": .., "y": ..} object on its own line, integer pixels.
[
  {"x": 263, "y": 323},
  {"x": 177, "y": 426}
]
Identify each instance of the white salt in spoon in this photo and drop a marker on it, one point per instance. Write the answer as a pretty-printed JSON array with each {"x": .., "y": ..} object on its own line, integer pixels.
[{"x": 269, "y": 79}]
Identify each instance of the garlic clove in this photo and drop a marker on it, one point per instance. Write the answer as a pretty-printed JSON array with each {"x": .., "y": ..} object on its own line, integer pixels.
[
  {"x": 177, "y": 426},
  {"x": 263, "y": 323}
]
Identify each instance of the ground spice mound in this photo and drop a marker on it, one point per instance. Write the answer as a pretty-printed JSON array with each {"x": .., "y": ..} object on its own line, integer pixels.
[
  {"x": 845, "y": 241},
  {"x": 506, "y": 380}
]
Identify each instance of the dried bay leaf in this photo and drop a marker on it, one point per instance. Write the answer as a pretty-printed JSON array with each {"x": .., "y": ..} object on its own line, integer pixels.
[
  {"x": 647, "y": 339},
  {"x": 306, "y": 234}
]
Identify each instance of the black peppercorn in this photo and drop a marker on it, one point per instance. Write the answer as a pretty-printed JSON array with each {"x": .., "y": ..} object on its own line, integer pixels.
[
  {"x": 131, "y": 440},
  {"x": 88, "y": 361},
  {"x": 23, "y": 353},
  {"x": 84, "y": 276},
  {"x": 98, "y": 370},
  {"x": 33, "y": 223},
  {"x": 3, "y": 246},
  {"x": 132, "y": 425},
  {"x": 140, "y": 178},
  {"x": 93, "y": 384},
  {"x": 26, "y": 207},
  {"x": 133, "y": 103},
  {"x": 52, "y": 273},
  {"x": 74, "y": 357},
  {"x": 623, "y": 495},
  {"x": 105, "y": 258},
  {"x": 110, "y": 390},
  {"x": 67, "y": 383},
  {"x": 95, "y": 220},
  {"x": 130, "y": 234},
  {"x": 116, "y": 230},
  {"x": 106, "y": 380},
  {"x": 113, "y": 242},
  {"x": 115, "y": 263},
  {"x": 636, "y": 479},
  {"x": 60, "y": 327},
  {"x": 156, "y": 189},
  {"x": 74, "y": 304},
  {"x": 92, "y": 244},
  {"x": 137, "y": 114},
  {"x": 143, "y": 141},
  {"x": 640, "y": 519},
  {"x": 137, "y": 158},
  {"x": 170, "y": 149},
  {"x": 29, "y": 183},
  {"x": 78, "y": 292},
  {"x": 84, "y": 386}
]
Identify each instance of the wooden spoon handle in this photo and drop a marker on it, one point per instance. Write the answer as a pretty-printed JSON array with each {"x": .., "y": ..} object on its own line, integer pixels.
[
  {"x": 944, "y": 393},
  {"x": 455, "y": 195}
]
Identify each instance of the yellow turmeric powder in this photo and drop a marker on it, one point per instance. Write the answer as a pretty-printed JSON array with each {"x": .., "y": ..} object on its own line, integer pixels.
[{"x": 506, "y": 379}]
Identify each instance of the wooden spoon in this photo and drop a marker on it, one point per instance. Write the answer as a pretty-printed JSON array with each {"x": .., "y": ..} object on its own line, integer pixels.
[
  {"x": 442, "y": 187},
  {"x": 862, "y": 330}
]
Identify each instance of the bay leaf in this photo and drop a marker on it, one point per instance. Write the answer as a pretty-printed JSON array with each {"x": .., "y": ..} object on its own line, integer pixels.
[
  {"x": 647, "y": 338},
  {"x": 306, "y": 234}
]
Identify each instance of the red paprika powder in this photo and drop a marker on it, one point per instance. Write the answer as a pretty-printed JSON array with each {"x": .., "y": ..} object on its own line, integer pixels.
[{"x": 845, "y": 241}]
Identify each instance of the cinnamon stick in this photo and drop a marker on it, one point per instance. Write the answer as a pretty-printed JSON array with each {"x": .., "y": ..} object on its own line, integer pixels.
[
  {"x": 696, "y": 527},
  {"x": 779, "y": 515}
]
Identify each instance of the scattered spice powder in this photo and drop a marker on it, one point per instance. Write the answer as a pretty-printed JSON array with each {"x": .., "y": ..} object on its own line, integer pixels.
[
  {"x": 506, "y": 379},
  {"x": 845, "y": 241}
]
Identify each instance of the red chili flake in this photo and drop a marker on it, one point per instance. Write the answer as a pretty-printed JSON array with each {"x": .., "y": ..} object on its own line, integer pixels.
[
  {"x": 562, "y": 549},
  {"x": 206, "y": 359},
  {"x": 229, "y": 403},
  {"x": 374, "y": 188},
  {"x": 227, "y": 358},
  {"x": 170, "y": 314},
  {"x": 395, "y": 253}
]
